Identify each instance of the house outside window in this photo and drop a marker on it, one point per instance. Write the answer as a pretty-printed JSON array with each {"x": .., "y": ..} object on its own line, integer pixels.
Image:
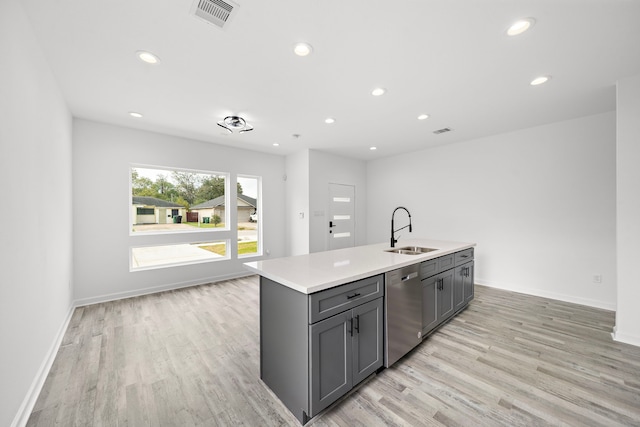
[{"x": 161, "y": 198}]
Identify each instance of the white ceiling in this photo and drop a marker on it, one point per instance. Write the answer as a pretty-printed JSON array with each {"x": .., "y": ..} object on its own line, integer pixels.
[{"x": 448, "y": 58}]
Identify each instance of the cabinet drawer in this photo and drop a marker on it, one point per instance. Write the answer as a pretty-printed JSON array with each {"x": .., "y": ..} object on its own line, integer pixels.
[
  {"x": 435, "y": 266},
  {"x": 327, "y": 303},
  {"x": 445, "y": 262},
  {"x": 464, "y": 256},
  {"x": 428, "y": 268}
]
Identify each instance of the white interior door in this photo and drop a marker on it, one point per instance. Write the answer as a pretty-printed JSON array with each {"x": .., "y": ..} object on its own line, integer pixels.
[{"x": 341, "y": 224}]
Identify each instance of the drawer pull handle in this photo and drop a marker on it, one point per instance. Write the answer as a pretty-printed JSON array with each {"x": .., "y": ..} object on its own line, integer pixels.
[
  {"x": 464, "y": 256},
  {"x": 352, "y": 296},
  {"x": 409, "y": 276}
]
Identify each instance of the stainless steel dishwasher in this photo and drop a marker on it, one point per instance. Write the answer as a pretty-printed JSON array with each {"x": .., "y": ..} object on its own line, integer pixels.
[{"x": 403, "y": 312}]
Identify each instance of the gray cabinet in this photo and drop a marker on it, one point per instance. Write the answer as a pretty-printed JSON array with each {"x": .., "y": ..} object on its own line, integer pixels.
[
  {"x": 332, "y": 301},
  {"x": 436, "y": 265},
  {"x": 315, "y": 348},
  {"x": 429, "y": 304},
  {"x": 331, "y": 361},
  {"x": 437, "y": 300},
  {"x": 345, "y": 349},
  {"x": 368, "y": 340},
  {"x": 447, "y": 287},
  {"x": 458, "y": 288},
  {"x": 463, "y": 256},
  {"x": 467, "y": 281},
  {"x": 445, "y": 295},
  {"x": 463, "y": 285}
]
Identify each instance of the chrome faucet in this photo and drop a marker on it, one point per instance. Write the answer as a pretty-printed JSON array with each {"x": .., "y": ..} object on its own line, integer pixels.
[{"x": 393, "y": 239}]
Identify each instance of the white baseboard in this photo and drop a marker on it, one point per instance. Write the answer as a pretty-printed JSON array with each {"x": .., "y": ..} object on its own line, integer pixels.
[
  {"x": 625, "y": 338},
  {"x": 21, "y": 418},
  {"x": 551, "y": 295},
  {"x": 155, "y": 289}
]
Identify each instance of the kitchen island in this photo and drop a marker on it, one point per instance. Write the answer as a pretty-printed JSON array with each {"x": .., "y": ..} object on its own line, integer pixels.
[{"x": 323, "y": 323}]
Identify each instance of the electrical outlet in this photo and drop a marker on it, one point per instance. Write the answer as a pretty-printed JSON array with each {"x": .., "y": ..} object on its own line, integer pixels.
[{"x": 597, "y": 278}]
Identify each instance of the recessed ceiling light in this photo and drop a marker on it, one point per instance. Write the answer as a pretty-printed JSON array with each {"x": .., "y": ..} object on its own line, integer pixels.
[
  {"x": 378, "y": 91},
  {"x": 275, "y": 144},
  {"x": 134, "y": 114},
  {"x": 423, "y": 117},
  {"x": 329, "y": 120},
  {"x": 147, "y": 57},
  {"x": 539, "y": 80},
  {"x": 520, "y": 26},
  {"x": 373, "y": 148},
  {"x": 302, "y": 49}
]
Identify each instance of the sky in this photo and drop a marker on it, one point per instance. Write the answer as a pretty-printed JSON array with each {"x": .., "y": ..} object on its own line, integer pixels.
[{"x": 249, "y": 185}]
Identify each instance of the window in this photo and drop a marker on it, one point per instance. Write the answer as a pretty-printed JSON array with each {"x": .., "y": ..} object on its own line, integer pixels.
[
  {"x": 145, "y": 211},
  {"x": 249, "y": 216},
  {"x": 168, "y": 201},
  {"x": 161, "y": 199},
  {"x": 145, "y": 257}
]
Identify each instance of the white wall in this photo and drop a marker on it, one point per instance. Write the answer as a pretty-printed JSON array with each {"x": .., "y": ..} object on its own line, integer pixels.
[
  {"x": 297, "y": 203},
  {"x": 102, "y": 156},
  {"x": 309, "y": 173},
  {"x": 35, "y": 171},
  {"x": 325, "y": 168},
  {"x": 628, "y": 210},
  {"x": 539, "y": 203}
]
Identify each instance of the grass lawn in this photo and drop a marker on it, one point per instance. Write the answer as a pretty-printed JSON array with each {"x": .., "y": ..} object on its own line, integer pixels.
[
  {"x": 203, "y": 225},
  {"x": 247, "y": 248},
  {"x": 243, "y": 248}
]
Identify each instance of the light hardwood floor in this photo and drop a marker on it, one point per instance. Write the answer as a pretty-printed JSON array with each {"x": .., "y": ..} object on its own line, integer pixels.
[{"x": 191, "y": 357}]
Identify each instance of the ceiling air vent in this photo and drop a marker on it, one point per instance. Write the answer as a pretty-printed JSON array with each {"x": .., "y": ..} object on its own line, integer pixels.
[
  {"x": 443, "y": 130},
  {"x": 216, "y": 12}
]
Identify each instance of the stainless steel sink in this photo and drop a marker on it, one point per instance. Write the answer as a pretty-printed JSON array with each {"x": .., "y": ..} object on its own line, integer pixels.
[{"x": 410, "y": 250}]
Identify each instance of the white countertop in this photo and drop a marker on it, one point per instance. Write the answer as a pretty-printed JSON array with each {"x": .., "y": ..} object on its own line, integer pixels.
[{"x": 323, "y": 270}]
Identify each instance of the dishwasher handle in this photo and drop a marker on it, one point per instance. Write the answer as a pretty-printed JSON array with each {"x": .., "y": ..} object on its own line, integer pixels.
[{"x": 409, "y": 276}]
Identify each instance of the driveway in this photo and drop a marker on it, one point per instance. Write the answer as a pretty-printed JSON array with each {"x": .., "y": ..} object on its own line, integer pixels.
[
  {"x": 161, "y": 227},
  {"x": 160, "y": 255}
]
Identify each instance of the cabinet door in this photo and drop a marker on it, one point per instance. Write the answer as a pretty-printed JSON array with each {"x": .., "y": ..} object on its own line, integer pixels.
[
  {"x": 367, "y": 339},
  {"x": 458, "y": 288},
  {"x": 445, "y": 295},
  {"x": 467, "y": 287},
  {"x": 429, "y": 304},
  {"x": 331, "y": 360}
]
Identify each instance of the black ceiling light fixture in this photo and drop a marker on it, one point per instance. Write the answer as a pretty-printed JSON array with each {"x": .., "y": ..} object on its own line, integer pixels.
[{"x": 235, "y": 123}]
